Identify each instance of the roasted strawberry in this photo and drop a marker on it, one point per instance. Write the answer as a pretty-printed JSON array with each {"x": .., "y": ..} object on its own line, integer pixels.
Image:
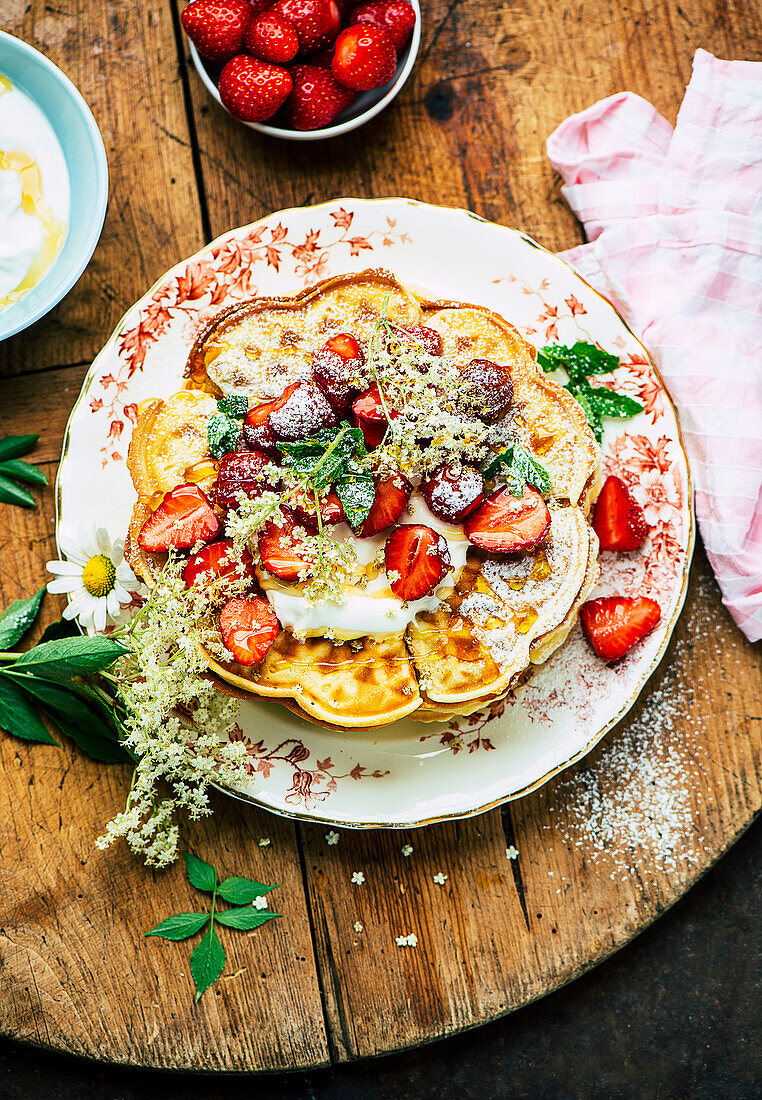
[
  {"x": 614, "y": 624},
  {"x": 453, "y": 492},
  {"x": 416, "y": 559},
  {"x": 368, "y": 415},
  {"x": 183, "y": 518},
  {"x": 486, "y": 390},
  {"x": 618, "y": 520},
  {"x": 240, "y": 472},
  {"x": 317, "y": 97},
  {"x": 331, "y": 510},
  {"x": 216, "y": 560},
  {"x": 270, "y": 37},
  {"x": 317, "y": 22},
  {"x": 396, "y": 17},
  {"x": 217, "y": 27},
  {"x": 390, "y": 501},
  {"x": 364, "y": 57},
  {"x": 253, "y": 90},
  {"x": 303, "y": 413},
  {"x": 427, "y": 338},
  {"x": 261, "y": 437},
  {"x": 248, "y": 627},
  {"x": 260, "y": 414},
  {"x": 337, "y": 369},
  {"x": 505, "y": 524},
  {"x": 282, "y": 553}
]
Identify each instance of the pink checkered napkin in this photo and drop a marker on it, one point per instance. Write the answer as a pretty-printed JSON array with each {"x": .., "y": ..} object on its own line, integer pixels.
[{"x": 675, "y": 223}]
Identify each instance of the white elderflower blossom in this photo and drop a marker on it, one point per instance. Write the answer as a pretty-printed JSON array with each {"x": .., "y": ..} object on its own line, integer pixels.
[
  {"x": 260, "y": 903},
  {"x": 358, "y": 878}
]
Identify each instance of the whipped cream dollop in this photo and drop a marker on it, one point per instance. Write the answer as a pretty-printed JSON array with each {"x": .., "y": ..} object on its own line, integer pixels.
[
  {"x": 34, "y": 194},
  {"x": 372, "y": 611}
]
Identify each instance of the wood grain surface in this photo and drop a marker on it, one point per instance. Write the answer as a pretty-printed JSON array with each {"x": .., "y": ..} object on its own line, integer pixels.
[{"x": 601, "y": 853}]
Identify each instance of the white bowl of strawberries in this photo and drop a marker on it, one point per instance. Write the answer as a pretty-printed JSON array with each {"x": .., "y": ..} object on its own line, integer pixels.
[{"x": 303, "y": 69}]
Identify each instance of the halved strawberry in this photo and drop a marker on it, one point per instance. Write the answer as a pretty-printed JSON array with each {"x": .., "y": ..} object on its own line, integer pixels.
[
  {"x": 282, "y": 553},
  {"x": 240, "y": 472},
  {"x": 453, "y": 492},
  {"x": 368, "y": 415},
  {"x": 260, "y": 414},
  {"x": 505, "y": 524},
  {"x": 331, "y": 509},
  {"x": 390, "y": 501},
  {"x": 248, "y": 627},
  {"x": 614, "y": 624},
  {"x": 216, "y": 560},
  {"x": 416, "y": 559},
  {"x": 337, "y": 367},
  {"x": 183, "y": 518},
  {"x": 618, "y": 520}
]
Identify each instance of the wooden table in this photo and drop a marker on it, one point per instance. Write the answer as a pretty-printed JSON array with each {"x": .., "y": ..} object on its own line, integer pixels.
[{"x": 490, "y": 84}]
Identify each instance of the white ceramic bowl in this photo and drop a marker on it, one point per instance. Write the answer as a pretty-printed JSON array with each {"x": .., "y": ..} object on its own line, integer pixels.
[
  {"x": 365, "y": 107},
  {"x": 85, "y": 156}
]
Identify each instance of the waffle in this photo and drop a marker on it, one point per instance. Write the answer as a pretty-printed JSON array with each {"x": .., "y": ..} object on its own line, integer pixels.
[{"x": 504, "y": 614}]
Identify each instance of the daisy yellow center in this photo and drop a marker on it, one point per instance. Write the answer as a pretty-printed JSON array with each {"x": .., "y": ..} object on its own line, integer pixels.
[{"x": 99, "y": 575}]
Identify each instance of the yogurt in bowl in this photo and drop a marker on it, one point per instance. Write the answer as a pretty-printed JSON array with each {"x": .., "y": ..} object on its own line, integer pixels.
[{"x": 34, "y": 194}]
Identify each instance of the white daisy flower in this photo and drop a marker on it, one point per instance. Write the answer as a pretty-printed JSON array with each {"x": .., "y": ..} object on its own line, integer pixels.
[{"x": 96, "y": 578}]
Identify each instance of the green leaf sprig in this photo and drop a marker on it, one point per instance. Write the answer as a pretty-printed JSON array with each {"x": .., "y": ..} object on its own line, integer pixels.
[
  {"x": 56, "y": 680},
  {"x": 335, "y": 456},
  {"x": 224, "y": 425},
  {"x": 519, "y": 468},
  {"x": 208, "y": 957},
  {"x": 13, "y": 470},
  {"x": 580, "y": 361}
]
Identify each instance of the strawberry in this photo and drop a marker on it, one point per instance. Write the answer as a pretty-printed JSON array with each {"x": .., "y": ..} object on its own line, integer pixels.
[
  {"x": 183, "y": 518},
  {"x": 390, "y": 501},
  {"x": 317, "y": 22},
  {"x": 364, "y": 57},
  {"x": 216, "y": 27},
  {"x": 618, "y": 520},
  {"x": 486, "y": 390},
  {"x": 261, "y": 437},
  {"x": 426, "y": 338},
  {"x": 396, "y": 17},
  {"x": 248, "y": 627},
  {"x": 614, "y": 624},
  {"x": 270, "y": 37},
  {"x": 368, "y": 415},
  {"x": 505, "y": 524},
  {"x": 338, "y": 365},
  {"x": 416, "y": 559},
  {"x": 453, "y": 492},
  {"x": 215, "y": 561},
  {"x": 259, "y": 415},
  {"x": 331, "y": 509},
  {"x": 304, "y": 412},
  {"x": 317, "y": 98},
  {"x": 282, "y": 553},
  {"x": 240, "y": 472},
  {"x": 253, "y": 90}
]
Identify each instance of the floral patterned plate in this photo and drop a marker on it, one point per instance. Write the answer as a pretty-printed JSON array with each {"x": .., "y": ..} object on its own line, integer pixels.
[{"x": 410, "y": 773}]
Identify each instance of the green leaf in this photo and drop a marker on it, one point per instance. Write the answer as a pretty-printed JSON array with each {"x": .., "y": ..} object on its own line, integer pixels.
[
  {"x": 18, "y": 716},
  {"x": 63, "y": 628},
  {"x": 356, "y": 493},
  {"x": 325, "y": 456},
  {"x": 14, "y": 445},
  {"x": 583, "y": 394},
  {"x": 23, "y": 471},
  {"x": 244, "y": 919},
  {"x": 609, "y": 403},
  {"x": 519, "y": 468},
  {"x": 17, "y": 618},
  {"x": 180, "y": 927},
  {"x": 207, "y": 962},
  {"x": 201, "y": 875},
  {"x": 242, "y": 891},
  {"x": 71, "y": 656},
  {"x": 11, "y": 493},
  {"x": 223, "y": 434},
  {"x": 234, "y": 405},
  {"x": 580, "y": 359}
]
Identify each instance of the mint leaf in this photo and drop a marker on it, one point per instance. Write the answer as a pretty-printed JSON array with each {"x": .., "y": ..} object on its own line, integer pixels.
[
  {"x": 325, "y": 456},
  {"x": 609, "y": 403},
  {"x": 583, "y": 394},
  {"x": 73, "y": 717},
  {"x": 179, "y": 927},
  {"x": 356, "y": 493},
  {"x": 201, "y": 875},
  {"x": 23, "y": 471},
  {"x": 207, "y": 962},
  {"x": 14, "y": 445},
  {"x": 242, "y": 891},
  {"x": 519, "y": 468},
  {"x": 68, "y": 657},
  {"x": 11, "y": 493},
  {"x": 580, "y": 359},
  {"x": 63, "y": 628},
  {"x": 222, "y": 433},
  {"x": 18, "y": 716},
  {"x": 244, "y": 919},
  {"x": 234, "y": 405},
  {"x": 17, "y": 618}
]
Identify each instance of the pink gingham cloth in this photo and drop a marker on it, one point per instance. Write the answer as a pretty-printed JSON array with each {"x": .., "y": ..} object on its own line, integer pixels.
[{"x": 674, "y": 218}]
